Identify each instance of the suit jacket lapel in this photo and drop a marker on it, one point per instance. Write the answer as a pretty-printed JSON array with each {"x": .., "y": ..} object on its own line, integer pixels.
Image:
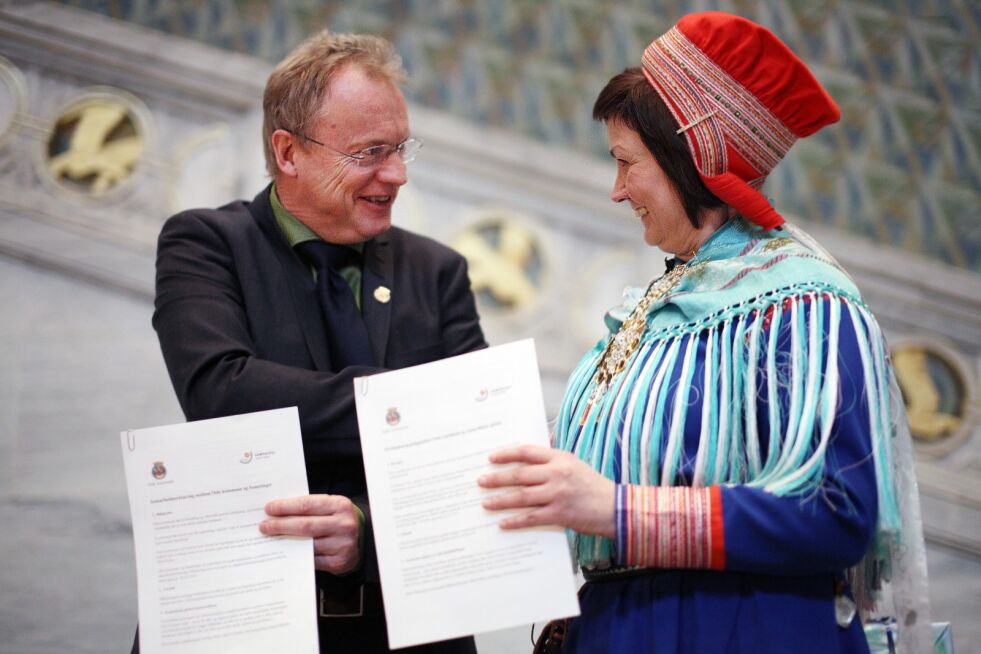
[
  {"x": 377, "y": 273},
  {"x": 299, "y": 281}
]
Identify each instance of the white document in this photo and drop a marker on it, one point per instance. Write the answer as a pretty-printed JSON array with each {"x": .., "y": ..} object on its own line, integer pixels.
[
  {"x": 207, "y": 579},
  {"x": 447, "y": 569}
]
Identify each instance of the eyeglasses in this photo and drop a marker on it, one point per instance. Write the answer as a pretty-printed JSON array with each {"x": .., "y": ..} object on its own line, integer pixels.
[{"x": 376, "y": 155}]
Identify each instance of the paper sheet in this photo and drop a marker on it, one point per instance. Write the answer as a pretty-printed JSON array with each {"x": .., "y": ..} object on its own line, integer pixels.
[
  {"x": 207, "y": 579},
  {"x": 447, "y": 569}
]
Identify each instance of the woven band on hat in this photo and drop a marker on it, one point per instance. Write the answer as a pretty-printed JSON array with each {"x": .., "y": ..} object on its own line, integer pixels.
[
  {"x": 747, "y": 124},
  {"x": 734, "y": 137}
]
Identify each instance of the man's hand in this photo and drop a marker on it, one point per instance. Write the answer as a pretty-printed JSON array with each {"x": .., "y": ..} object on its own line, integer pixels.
[
  {"x": 331, "y": 520},
  {"x": 557, "y": 487}
]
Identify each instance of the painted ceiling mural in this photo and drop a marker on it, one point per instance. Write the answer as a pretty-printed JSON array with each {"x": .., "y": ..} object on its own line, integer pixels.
[{"x": 903, "y": 167}]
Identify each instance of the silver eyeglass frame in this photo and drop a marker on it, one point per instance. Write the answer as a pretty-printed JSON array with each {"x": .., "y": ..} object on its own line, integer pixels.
[{"x": 375, "y": 155}]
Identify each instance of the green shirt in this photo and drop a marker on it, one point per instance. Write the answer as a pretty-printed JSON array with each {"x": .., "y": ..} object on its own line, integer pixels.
[{"x": 296, "y": 232}]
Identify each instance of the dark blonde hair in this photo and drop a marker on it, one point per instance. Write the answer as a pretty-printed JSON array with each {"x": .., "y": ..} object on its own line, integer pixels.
[{"x": 297, "y": 86}]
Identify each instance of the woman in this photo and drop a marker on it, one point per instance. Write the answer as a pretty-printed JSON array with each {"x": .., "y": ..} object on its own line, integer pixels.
[{"x": 724, "y": 457}]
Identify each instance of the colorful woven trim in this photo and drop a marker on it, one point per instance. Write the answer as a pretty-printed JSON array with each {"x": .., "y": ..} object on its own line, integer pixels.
[
  {"x": 691, "y": 81},
  {"x": 670, "y": 527},
  {"x": 744, "y": 288},
  {"x": 687, "y": 104}
]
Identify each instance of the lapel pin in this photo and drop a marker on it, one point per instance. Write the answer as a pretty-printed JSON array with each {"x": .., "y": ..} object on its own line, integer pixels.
[{"x": 382, "y": 294}]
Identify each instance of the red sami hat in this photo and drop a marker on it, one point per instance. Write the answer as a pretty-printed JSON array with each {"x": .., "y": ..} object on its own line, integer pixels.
[{"x": 741, "y": 98}]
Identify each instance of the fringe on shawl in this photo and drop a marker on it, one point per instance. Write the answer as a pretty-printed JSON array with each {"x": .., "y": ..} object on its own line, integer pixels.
[{"x": 624, "y": 433}]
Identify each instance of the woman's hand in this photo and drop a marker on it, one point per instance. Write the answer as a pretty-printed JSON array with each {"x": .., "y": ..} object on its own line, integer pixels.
[
  {"x": 331, "y": 520},
  {"x": 557, "y": 487}
]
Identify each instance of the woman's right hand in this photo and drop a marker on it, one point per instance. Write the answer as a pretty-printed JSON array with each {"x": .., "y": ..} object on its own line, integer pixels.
[{"x": 556, "y": 487}]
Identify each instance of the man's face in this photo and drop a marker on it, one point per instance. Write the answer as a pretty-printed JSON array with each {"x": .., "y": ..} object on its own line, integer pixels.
[{"x": 339, "y": 200}]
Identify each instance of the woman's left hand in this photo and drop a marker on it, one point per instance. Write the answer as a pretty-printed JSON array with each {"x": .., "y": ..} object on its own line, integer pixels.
[{"x": 557, "y": 487}]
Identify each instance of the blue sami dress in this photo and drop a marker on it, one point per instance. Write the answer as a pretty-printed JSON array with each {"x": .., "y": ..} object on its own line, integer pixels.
[{"x": 747, "y": 428}]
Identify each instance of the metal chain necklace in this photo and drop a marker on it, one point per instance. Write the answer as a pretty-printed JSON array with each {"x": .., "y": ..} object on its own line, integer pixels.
[{"x": 624, "y": 343}]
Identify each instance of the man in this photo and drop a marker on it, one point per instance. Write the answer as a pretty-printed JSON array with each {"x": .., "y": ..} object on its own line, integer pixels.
[{"x": 254, "y": 312}]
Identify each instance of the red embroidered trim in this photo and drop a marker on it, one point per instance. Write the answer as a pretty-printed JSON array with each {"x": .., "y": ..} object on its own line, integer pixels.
[
  {"x": 673, "y": 527},
  {"x": 717, "y": 559}
]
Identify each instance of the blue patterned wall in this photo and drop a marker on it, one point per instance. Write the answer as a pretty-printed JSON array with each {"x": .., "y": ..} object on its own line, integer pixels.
[{"x": 903, "y": 167}]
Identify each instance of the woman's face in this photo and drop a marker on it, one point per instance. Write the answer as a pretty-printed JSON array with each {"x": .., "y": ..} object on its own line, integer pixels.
[{"x": 641, "y": 182}]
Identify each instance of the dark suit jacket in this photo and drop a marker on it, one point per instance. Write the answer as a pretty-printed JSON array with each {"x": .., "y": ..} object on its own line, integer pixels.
[{"x": 241, "y": 330}]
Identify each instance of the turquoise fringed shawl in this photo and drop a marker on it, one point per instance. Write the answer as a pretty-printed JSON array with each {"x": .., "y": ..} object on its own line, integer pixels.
[{"x": 740, "y": 274}]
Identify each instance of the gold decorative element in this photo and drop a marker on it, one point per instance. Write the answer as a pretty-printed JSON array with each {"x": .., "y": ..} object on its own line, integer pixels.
[
  {"x": 500, "y": 255},
  {"x": 927, "y": 421},
  {"x": 777, "y": 243},
  {"x": 624, "y": 343},
  {"x": 383, "y": 294},
  {"x": 697, "y": 270},
  {"x": 102, "y": 145}
]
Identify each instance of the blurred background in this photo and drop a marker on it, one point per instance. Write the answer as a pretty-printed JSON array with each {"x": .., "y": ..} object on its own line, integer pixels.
[{"x": 116, "y": 114}]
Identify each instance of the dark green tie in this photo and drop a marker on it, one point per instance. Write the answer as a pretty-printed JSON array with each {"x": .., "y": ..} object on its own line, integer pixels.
[{"x": 347, "y": 335}]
